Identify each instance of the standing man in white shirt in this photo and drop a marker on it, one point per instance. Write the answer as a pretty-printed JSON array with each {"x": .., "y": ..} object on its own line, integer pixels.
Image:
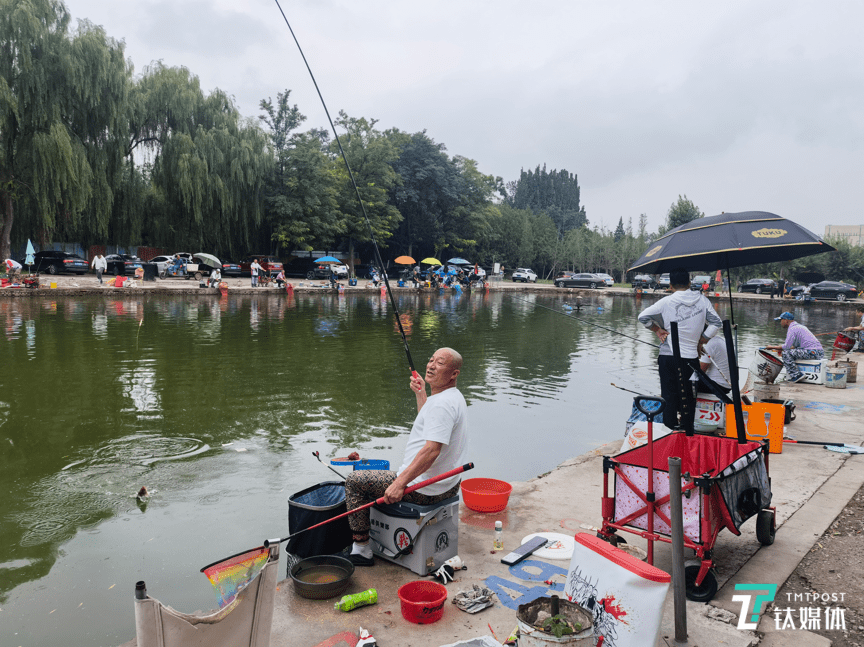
[
  {"x": 437, "y": 444},
  {"x": 254, "y": 269},
  {"x": 100, "y": 264},
  {"x": 691, "y": 310}
]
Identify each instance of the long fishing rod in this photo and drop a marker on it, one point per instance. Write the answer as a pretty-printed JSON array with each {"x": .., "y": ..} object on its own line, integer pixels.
[
  {"x": 357, "y": 192},
  {"x": 590, "y": 323}
]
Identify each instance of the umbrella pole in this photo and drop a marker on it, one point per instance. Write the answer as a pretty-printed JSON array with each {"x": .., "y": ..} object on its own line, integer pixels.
[
  {"x": 733, "y": 380},
  {"x": 732, "y": 309}
]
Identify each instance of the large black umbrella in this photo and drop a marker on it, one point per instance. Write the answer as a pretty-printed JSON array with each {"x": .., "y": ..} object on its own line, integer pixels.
[
  {"x": 725, "y": 241},
  {"x": 730, "y": 240}
]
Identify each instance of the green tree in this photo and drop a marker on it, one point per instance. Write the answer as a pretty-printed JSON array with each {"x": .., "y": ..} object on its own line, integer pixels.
[
  {"x": 556, "y": 192},
  {"x": 619, "y": 230},
  {"x": 681, "y": 212},
  {"x": 370, "y": 154},
  {"x": 62, "y": 97},
  {"x": 300, "y": 197}
]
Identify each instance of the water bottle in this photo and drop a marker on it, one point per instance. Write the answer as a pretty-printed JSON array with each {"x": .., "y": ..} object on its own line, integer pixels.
[
  {"x": 499, "y": 540},
  {"x": 351, "y": 602}
]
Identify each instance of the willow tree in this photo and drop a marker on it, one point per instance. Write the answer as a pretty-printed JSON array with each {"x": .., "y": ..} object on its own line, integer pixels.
[
  {"x": 62, "y": 96},
  {"x": 209, "y": 164}
]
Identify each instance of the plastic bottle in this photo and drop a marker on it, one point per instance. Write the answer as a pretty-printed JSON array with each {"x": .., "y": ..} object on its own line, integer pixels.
[
  {"x": 499, "y": 541},
  {"x": 351, "y": 602}
]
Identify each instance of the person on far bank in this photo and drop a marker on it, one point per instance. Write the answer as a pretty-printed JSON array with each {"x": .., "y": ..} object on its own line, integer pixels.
[
  {"x": 100, "y": 264},
  {"x": 437, "y": 444},
  {"x": 858, "y": 330},
  {"x": 253, "y": 270},
  {"x": 692, "y": 311},
  {"x": 800, "y": 344}
]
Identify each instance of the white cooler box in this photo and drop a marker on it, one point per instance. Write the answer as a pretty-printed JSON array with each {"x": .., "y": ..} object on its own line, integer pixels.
[
  {"x": 419, "y": 537},
  {"x": 813, "y": 370}
]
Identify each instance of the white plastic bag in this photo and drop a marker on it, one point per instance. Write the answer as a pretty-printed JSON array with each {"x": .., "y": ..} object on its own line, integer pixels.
[
  {"x": 638, "y": 434},
  {"x": 624, "y": 594}
]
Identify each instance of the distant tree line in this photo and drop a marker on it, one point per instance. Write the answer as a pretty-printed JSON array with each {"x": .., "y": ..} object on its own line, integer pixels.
[{"x": 91, "y": 152}]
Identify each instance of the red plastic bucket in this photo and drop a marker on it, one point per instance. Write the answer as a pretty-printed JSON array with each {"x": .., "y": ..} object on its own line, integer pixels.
[
  {"x": 422, "y": 601},
  {"x": 118, "y": 282},
  {"x": 844, "y": 342}
]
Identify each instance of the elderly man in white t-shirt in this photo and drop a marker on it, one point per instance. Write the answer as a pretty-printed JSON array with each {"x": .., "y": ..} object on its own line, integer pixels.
[{"x": 437, "y": 444}]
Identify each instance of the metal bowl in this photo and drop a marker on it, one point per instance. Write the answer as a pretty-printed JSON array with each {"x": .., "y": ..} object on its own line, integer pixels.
[{"x": 322, "y": 577}]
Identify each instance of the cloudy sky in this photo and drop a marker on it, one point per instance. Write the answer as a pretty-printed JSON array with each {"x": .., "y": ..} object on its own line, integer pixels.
[{"x": 740, "y": 105}]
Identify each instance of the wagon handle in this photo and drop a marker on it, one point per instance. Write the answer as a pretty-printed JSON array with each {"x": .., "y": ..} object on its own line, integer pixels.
[{"x": 649, "y": 414}]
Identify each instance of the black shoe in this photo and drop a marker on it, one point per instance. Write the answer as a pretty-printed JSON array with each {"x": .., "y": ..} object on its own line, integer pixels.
[{"x": 357, "y": 560}]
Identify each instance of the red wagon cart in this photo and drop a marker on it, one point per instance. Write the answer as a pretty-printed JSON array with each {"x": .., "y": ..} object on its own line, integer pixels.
[{"x": 724, "y": 483}]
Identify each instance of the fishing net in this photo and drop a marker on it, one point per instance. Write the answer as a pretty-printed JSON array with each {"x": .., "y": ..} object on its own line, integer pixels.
[{"x": 231, "y": 575}]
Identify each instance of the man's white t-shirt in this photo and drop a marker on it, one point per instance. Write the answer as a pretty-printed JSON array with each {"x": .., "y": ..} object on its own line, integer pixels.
[
  {"x": 443, "y": 419},
  {"x": 715, "y": 354}
]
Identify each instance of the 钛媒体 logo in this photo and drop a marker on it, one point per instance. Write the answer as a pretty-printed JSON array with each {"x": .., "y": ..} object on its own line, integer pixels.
[{"x": 816, "y": 615}]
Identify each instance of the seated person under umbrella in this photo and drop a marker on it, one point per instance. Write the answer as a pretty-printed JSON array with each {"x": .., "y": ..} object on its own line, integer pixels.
[
  {"x": 215, "y": 278},
  {"x": 436, "y": 444},
  {"x": 714, "y": 362}
]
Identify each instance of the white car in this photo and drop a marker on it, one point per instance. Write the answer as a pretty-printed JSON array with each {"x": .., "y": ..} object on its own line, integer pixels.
[
  {"x": 608, "y": 279},
  {"x": 162, "y": 262},
  {"x": 341, "y": 271},
  {"x": 524, "y": 274}
]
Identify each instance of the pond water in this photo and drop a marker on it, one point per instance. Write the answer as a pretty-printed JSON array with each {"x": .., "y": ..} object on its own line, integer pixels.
[{"x": 217, "y": 405}]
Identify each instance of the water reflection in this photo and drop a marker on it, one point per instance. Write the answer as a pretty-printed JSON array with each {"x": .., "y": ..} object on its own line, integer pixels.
[{"x": 217, "y": 403}]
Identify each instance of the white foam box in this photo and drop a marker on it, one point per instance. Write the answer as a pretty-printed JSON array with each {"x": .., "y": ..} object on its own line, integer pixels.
[{"x": 813, "y": 370}]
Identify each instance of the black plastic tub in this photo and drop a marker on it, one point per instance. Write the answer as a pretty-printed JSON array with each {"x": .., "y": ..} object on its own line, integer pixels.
[{"x": 321, "y": 577}]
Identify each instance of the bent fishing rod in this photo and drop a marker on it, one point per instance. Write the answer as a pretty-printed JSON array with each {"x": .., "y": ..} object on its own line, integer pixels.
[
  {"x": 357, "y": 193},
  {"x": 590, "y": 323},
  {"x": 378, "y": 501}
]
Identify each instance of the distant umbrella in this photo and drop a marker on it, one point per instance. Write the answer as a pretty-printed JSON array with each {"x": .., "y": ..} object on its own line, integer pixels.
[
  {"x": 431, "y": 261},
  {"x": 328, "y": 260},
  {"x": 459, "y": 261},
  {"x": 405, "y": 260},
  {"x": 30, "y": 254},
  {"x": 210, "y": 260}
]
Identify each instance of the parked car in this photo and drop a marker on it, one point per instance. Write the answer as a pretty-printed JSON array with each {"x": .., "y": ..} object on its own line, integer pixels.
[
  {"x": 758, "y": 286},
  {"x": 565, "y": 274},
  {"x": 797, "y": 290},
  {"x": 230, "y": 269},
  {"x": 644, "y": 281},
  {"x": 699, "y": 280},
  {"x": 833, "y": 290},
  {"x": 608, "y": 279},
  {"x": 55, "y": 262},
  {"x": 524, "y": 274},
  {"x": 663, "y": 281},
  {"x": 583, "y": 280},
  {"x": 122, "y": 264},
  {"x": 162, "y": 263},
  {"x": 269, "y": 264}
]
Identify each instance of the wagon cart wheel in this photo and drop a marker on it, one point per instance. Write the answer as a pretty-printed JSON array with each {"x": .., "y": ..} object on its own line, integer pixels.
[
  {"x": 703, "y": 592},
  {"x": 765, "y": 529},
  {"x": 198, "y": 276},
  {"x": 614, "y": 539}
]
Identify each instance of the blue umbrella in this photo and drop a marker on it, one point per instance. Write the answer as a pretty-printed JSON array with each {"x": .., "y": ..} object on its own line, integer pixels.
[
  {"x": 30, "y": 254},
  {"x": 328, "y": 259},
  {"x": 459, "y": 261}
]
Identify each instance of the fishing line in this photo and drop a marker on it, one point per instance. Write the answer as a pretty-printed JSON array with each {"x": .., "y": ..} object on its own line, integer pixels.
[
  {"x": 356, "y": 191},
  {"x": 590, "y": 323}
]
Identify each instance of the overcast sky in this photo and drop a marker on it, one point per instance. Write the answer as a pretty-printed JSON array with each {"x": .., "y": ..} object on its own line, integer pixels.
[{"x": 740, "y": 105}]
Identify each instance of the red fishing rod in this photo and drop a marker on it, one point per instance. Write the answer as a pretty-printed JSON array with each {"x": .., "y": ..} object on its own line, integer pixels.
[
  {"x": 380, "y": 500},
  {"x": 357, "y": 192}
]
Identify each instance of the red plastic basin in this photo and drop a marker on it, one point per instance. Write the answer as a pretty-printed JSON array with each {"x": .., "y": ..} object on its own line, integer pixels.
[
  {"x": 422, "y": 601},
  {"x": 486, "y": 495}
]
